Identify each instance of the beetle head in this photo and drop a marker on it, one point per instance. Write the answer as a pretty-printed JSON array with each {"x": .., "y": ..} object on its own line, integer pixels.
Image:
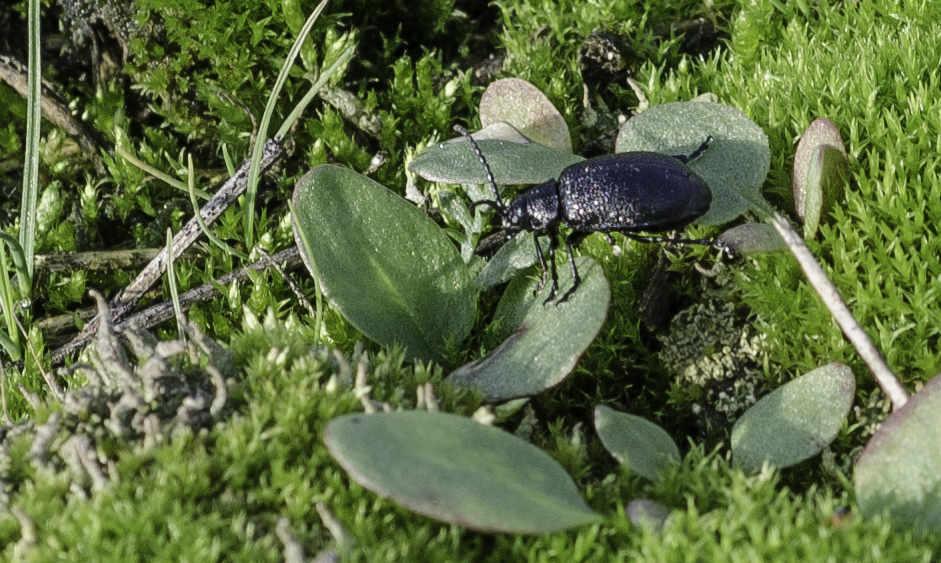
[{"x": 536, "y": 209}]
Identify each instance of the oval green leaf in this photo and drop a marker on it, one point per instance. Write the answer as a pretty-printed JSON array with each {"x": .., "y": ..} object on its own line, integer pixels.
[
  {"x": 546, "y": 339},
  {"x": 641, "y": 445},
  {"x": 516, "y": 254},
  {"x": 752, "y": 238},
  {"x": 455, "y": 162},
  {"x": 385, "y": 266},
  {"x": 795, "y": 421},
  {"x": 524, "y": 106},
  {"x": 899, "y": 472},
  {"x": 500, "y": 130},
  {"x": 457, "y": 470},
  {"x": 646, "y": 512},
  {"x": 735, "y": 164},
  {"x": 820, "y": 172}
]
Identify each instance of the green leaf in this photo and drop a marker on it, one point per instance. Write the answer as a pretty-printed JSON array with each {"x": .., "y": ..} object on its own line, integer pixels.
[
  {"x": 457, "y": 470},
  {"x": 454, "y": 162},
  {"x": 526, "y": 108},
  {"x": 735, "y": 164},
  {"x": 647, "y": 512},
  {"x": 49, "y": 208},
  {"x": 546, "y": 339},
  {"x": 820, "y": 172},
  {"x": 900, "y": 469},
  {"x": 516, "y": 254},
  {"x": 385, "y": 266},
  {"x": 795, "y": 421},
  {"x": 641, "y": 445},
  {"x": 752, "y": 238},
  {"x": 500, "y": 130}
]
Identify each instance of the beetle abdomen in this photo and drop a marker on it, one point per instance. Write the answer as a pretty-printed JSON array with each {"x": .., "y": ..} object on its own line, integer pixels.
[{"x": 631, "y": 191}]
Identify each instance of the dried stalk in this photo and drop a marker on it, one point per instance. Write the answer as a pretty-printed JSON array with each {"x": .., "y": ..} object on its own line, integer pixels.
[
  {"x": 830, "y": 296},
  {"x": 125, "y": 301},
  {"x": 161, "y": 312}
]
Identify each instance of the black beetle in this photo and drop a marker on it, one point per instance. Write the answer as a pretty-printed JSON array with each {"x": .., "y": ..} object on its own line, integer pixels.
[{"x": 625, "y": 192}]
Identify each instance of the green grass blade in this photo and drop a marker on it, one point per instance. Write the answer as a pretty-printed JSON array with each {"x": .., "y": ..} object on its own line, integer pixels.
[
  {"x": 10, "y": 339},
  {"x": 174, "y": 293},
  {"x": 162, "y": 176},
  {"x": 251, "y": 189},
  {"x": 191, "y": 188},
  {"x": 322, "y": 79}
]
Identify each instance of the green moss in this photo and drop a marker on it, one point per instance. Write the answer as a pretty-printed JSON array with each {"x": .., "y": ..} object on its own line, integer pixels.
[{"x": 218, "y": 493}]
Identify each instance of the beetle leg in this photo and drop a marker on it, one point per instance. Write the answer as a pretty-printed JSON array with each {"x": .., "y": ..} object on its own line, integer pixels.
[
  {"x": 687, "y": 158},
  {"x": 489, "y": 202},
  {"x": 572, "y": 240},
  {"x": 553, "y": 244},
  {"x": 542, "y": 264}
]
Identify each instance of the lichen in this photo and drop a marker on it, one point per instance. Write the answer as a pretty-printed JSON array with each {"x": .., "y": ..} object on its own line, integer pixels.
[
  {"x": 711, "y": 347},
  {"x": 139, "y": 393}
]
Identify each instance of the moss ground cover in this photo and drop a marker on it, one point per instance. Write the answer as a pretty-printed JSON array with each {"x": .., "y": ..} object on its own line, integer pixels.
[{"x": 219, "y": 492}]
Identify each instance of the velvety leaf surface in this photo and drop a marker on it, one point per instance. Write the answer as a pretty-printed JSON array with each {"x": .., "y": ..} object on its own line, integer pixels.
[
  {"x": 546, "y": 339},
  {"x": 647, "y": 512},
  {"x": 900, "y": 469},
  {"x": 519, "y": 103},
  {"x": 455, "y": 162},
  {"x": 516, "y": 254},
  {"x": 498, "y": 130},
  {"x": 386, "y": 267},
  {"x": 636, "y": 442},
  {"x": 752, "y": 238},
  {"x": 820, "y": 172},
  {"x": 457, "y": 470},
  {"x": 735, "y": 164},
  {"x": 795, "y": 421}
]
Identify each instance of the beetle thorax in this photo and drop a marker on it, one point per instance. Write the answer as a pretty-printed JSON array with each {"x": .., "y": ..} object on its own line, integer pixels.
[{"x": 536, "y": 209}]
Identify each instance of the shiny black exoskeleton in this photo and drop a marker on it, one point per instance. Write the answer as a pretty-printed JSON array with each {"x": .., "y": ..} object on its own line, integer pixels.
[{"x": 626, "y": 192}]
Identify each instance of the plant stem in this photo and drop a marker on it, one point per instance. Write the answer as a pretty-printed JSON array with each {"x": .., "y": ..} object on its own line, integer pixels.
[
  {"x": 828, "y": 293},
  {"x": 96, "y": 260},
  {"x": 31, "y": 166}
]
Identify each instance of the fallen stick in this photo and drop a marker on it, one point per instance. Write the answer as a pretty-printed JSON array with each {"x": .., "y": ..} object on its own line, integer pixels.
[
  {"x": 161, "y": 312},
  {"x": 124, "y": 302}
]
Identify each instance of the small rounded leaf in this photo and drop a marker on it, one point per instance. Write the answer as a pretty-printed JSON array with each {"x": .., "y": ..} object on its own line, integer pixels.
[
  {"x": 735, "y": 164},
  {"x": 636, "y": 442},
  {"x": 820, "y": 172},
  {"x": 457, "y": 470},
  {"x": 386, "y": 267},
  {"x": 900, "y": 470},
  {"x": 752, "y": 238},
  {"x": 499, "y": 130},
  {"x": 795, "y": 421},
  {"x": 546, "y": 339},
  {"x": 524, "y": 106},
  {"x": 646, "y": 512},
  {"x": 455, "y": 162},
  {"x": 515, "y": 255}
]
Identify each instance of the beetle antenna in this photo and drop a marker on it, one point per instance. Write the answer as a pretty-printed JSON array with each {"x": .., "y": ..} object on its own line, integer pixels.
[{"x": 496, "y": 203}]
